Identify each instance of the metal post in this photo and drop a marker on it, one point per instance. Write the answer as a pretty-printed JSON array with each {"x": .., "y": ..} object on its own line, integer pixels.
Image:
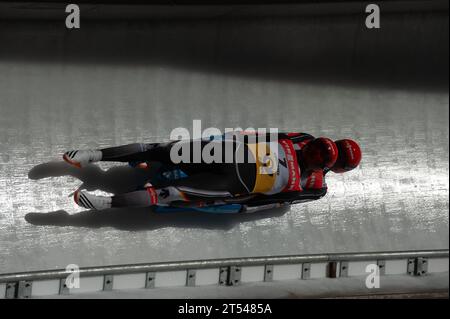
[
  {"x": 268, "y": 272},
  {"x": 234, "y": 276},
  {"x": 108, "y": 281},
  {"x": 24, "y": 289},
  {"x": 343, "y": 269},
  {"x": 150, "y": 280},
  {"x": 190, "y": 278},
  {"x": 306, "y": 270},
  {"x": 223, "y": 276}
]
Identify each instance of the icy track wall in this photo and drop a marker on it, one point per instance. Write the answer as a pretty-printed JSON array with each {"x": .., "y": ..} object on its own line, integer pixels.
[{"x": 113, "y": 83}]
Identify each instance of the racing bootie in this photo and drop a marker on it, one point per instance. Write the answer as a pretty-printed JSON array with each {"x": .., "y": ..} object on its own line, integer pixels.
[
  {"x": 82, "y": 157},
  {"x": 90, "y": 201}
]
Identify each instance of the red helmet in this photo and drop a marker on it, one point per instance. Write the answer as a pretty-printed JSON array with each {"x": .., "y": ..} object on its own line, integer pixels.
[
  {"x": 349, "y": 156},
  {"x": 319, "y": 153}
]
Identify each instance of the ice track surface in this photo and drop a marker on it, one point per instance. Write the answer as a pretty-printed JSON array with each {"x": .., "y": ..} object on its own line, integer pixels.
[{"x": 115, "y": 83}]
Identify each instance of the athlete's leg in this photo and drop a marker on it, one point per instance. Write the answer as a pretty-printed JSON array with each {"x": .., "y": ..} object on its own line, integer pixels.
[
  {"x": 151, "y": 196},
  {"x": 202, "y": 187},
  {"x": 146, "y": 197},
  {"x": 137, "y": 152},
  {"x": 159, "y": 152},
  {"x": 140, "y": 198},
  {"x": 162, "y": 152}
]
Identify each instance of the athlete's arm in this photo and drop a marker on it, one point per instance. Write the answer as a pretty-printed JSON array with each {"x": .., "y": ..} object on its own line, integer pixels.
[
  {"x": 295, "y": 137},
  {"x": 314, "y": 180}
]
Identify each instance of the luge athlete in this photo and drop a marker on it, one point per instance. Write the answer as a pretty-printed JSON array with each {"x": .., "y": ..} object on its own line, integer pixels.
[{"x": 301, "y": 164}]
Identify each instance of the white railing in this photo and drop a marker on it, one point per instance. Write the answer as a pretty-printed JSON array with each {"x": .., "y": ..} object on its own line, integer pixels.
[{"x": 230, "y": 271}]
